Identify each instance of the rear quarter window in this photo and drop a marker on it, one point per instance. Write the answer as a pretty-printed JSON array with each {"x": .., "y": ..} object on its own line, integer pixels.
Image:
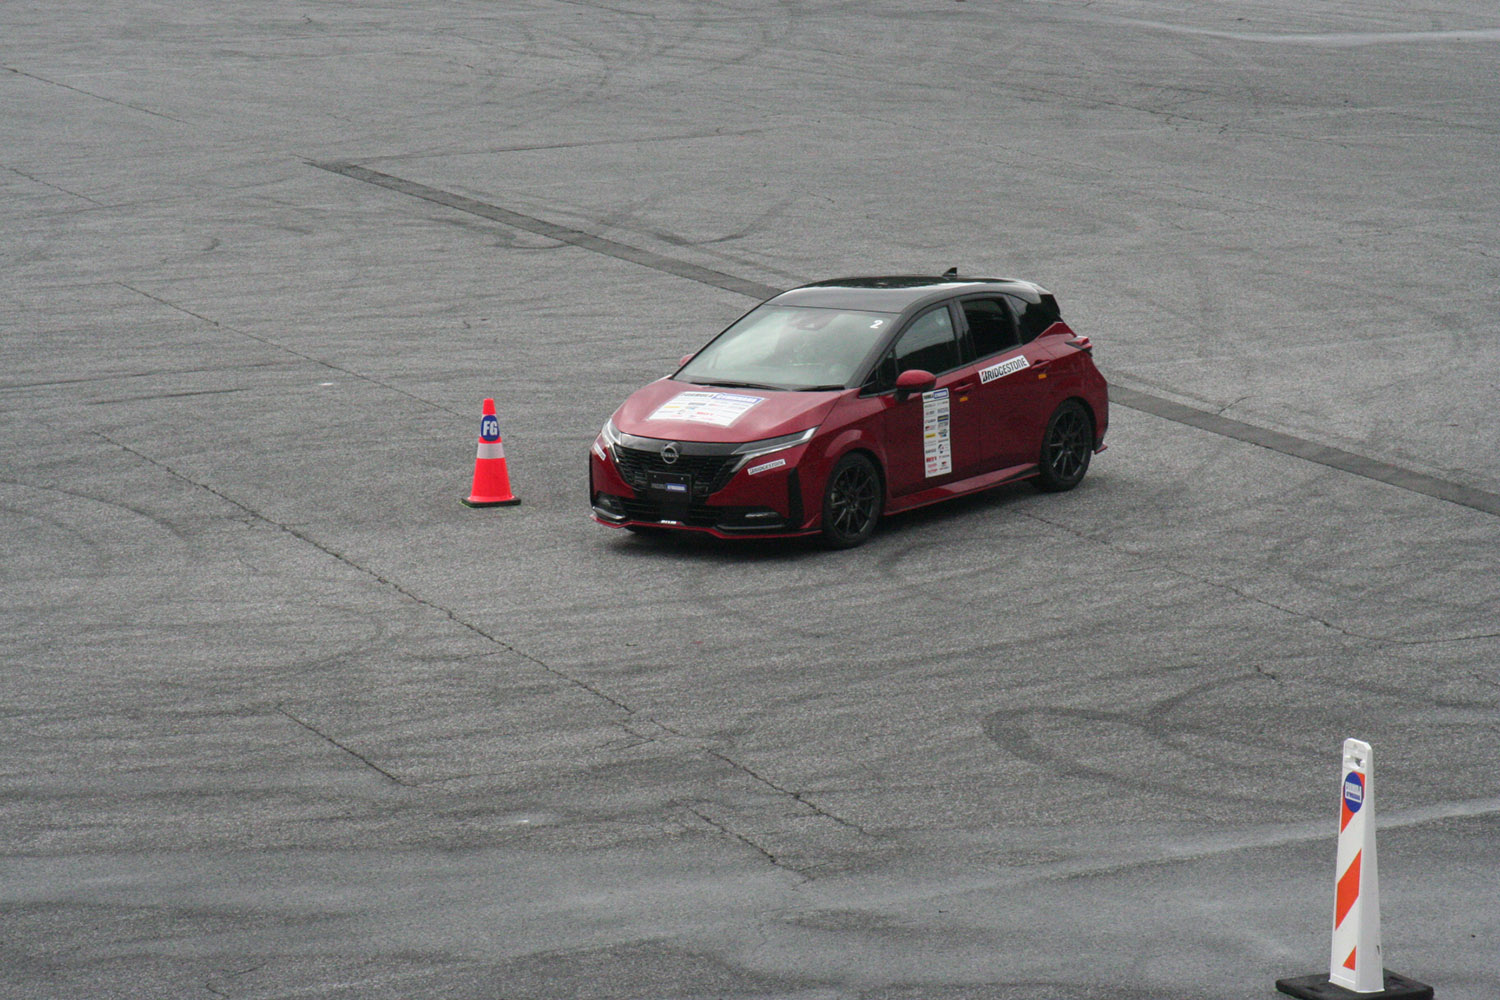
[{"x": 1033, "y": 318}]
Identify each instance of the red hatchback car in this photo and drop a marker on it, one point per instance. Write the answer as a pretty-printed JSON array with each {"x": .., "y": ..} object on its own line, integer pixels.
[{"x": 829, "y": 405}]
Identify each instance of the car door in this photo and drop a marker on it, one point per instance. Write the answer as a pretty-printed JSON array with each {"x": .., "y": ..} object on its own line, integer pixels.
[
  {"x": 931, "y": 438},
  {"x": 1011, "y": 393}
]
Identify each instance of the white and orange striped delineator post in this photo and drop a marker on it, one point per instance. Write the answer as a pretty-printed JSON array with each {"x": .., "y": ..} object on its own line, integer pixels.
[{"x": 1355, "y": 966}]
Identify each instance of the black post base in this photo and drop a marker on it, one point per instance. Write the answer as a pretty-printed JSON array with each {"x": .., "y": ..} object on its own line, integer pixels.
[{"x": 1319, "y": 988}]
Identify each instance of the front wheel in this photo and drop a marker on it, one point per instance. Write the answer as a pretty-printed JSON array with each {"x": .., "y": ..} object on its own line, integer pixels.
[
  {"x": 851, "y": 502},
  {"x": 1066, "y": 448}
]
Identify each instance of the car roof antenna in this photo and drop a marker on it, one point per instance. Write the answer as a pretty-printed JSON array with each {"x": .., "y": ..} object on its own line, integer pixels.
[{"x": 951, "y": 273}]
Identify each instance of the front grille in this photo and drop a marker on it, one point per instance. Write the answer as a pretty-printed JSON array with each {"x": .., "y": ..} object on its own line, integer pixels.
[{"x": 710, "y": 472}]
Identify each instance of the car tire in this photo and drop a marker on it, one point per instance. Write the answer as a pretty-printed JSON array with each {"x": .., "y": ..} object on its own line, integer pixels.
[
  {"x": 852, "y": 502},
  {"x": 1067, "y": 447}
]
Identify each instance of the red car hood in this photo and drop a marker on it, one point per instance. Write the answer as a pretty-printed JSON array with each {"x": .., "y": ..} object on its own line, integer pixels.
[{"x": 682, "y": 411}]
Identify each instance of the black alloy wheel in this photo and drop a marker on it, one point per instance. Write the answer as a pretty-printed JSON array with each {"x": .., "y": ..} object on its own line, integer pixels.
[
  {"x": 1066, "y": 448},
  {"x": 851, "y": 502}
]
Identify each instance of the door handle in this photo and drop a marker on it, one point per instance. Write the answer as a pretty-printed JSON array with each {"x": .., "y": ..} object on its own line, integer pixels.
[{"x": 966, "y": 387}]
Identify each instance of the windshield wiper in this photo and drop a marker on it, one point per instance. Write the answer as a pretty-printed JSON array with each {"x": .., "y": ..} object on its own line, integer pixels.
[
  {"x": 819, "y": 388},
  {"x": 739, "y": 385}
]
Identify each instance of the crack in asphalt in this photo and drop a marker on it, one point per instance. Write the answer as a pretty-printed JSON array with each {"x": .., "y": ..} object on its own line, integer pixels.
[
  {"x": 216, "y": 324},
  {"x": 373, "y": 574},
  {"x": 97, "y": 97},
  {"x": 736, "y": 835},
  {"x": 799, "y": 797},
  {"x": 55, "y": 187},
  {"x": 367, "y": 762}
]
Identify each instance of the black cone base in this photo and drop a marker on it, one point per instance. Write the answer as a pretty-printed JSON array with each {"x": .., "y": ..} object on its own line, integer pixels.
[
  {"x": 491, "y": 503},
  {"x": 1319, "y": 988}
]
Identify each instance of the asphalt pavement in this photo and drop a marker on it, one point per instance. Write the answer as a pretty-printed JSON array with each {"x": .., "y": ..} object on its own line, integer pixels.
[{"x": 282, "y": 718}]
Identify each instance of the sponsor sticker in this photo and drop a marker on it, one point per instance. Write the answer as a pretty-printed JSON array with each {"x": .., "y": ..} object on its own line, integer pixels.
[
  {"x": 1354, "y": 791},
  {"x": 489, "y": 428},
  {"x": 1003, "y": 369},
  {"x": 718, "y": 408},
  {"x": 937, "y": 449},
  {"x": 766, "y": 467}
]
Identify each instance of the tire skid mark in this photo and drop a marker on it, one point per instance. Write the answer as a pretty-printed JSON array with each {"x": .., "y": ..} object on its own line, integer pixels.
[
  {"x": 1210, "y": 744},
  {"x": 141, "y": 512},
  {"x": 618, "y": 704},
  {"x": 1219, "y": 585},
  {"x": 563, "y": 234},
  {"x": 308, "y": 539},
  {"x": 1287, "y": 444},
  {"x": 1010, "y": 731}
]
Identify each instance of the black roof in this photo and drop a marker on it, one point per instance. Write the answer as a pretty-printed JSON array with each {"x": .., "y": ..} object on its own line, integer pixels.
[{"x": 898, "y": 292}]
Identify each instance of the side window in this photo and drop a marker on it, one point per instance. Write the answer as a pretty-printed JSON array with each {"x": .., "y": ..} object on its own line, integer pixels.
[
  {"x": 1033, "y": 319},
  {"x": 928, "y": 343},
  {"x": 883, "y": 378},
  {"x": 991, "y": 328}
]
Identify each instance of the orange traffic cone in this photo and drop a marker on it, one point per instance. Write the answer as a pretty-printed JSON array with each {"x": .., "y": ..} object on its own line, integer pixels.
[{"x": 491, "y": 481}]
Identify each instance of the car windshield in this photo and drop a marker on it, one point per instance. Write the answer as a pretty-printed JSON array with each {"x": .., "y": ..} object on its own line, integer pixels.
[{"x": 789, "y": 347}]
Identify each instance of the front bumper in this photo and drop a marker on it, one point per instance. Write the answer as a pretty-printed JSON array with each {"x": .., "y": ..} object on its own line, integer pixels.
[{"x": 766, "y": 504}]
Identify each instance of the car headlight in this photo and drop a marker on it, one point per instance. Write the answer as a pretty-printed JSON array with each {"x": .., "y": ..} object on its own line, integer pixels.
[
  {"x": 751, "y": 450},
  {"x": 609, "y": 437}
]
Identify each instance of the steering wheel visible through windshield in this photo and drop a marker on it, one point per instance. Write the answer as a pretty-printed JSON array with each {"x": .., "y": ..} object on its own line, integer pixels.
[{"x": 789, "y": 347}]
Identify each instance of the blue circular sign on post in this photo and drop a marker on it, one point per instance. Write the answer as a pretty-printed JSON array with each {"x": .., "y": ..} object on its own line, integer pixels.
[
  {"x": 1354, "y": 791},
  {"x": 489, "y": 428}
]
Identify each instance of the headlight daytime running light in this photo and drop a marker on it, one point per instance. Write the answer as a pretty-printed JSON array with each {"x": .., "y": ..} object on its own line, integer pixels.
[
  {"x": 751, "y": 450},
  {"x": 610, "y": 435}
]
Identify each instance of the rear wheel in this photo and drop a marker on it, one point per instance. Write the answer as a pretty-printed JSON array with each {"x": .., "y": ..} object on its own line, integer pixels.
[
  {"x": 851, "y": 502},
  {"x": 1066, "y": 448}
]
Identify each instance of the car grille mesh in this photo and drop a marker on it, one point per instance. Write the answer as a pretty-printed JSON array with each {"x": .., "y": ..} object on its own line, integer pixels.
[{"x": 710, "y": 472}]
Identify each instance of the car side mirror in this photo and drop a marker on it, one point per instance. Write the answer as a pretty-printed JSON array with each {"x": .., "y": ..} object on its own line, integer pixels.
[
  {"x": 685, "y": 359},
  {"x": 914, "y": 380}
]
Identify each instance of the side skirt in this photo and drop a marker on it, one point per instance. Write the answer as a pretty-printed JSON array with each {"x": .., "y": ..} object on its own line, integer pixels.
[{"x": 963, "y": 487}]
